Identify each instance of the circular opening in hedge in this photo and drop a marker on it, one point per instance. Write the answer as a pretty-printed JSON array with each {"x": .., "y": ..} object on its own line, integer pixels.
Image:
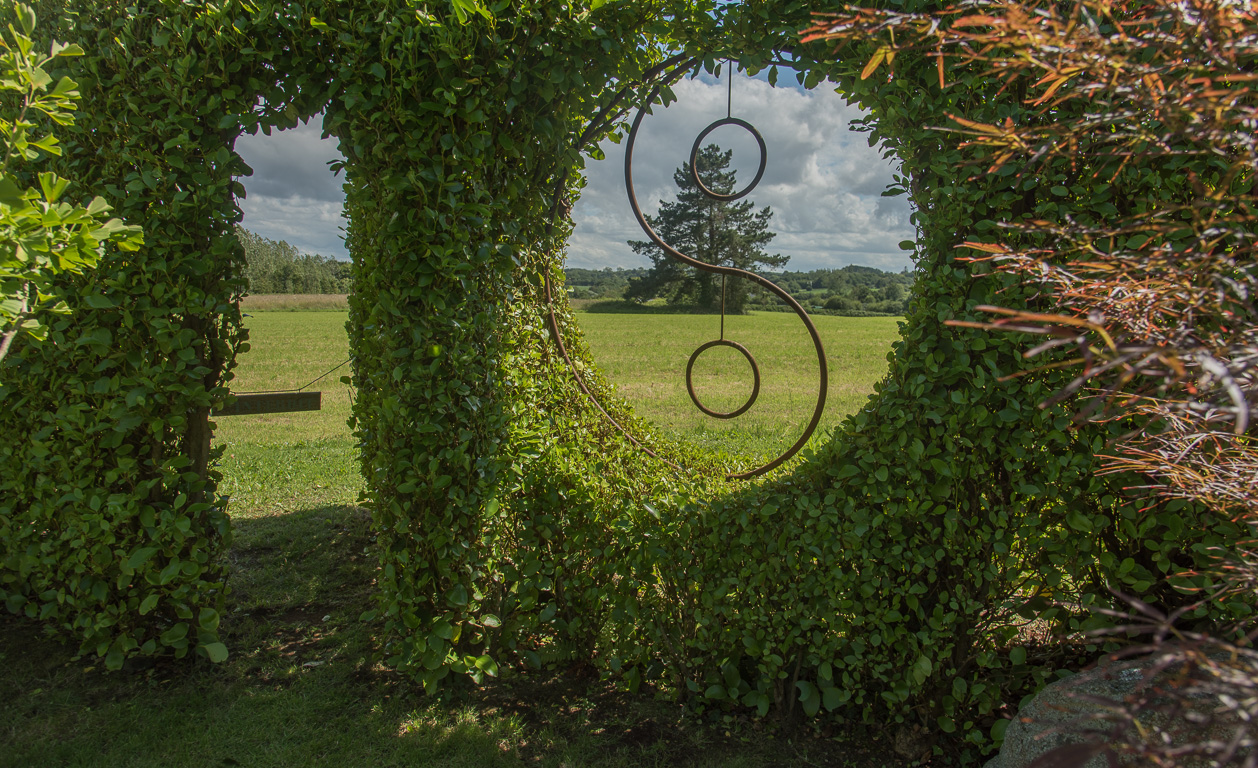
[{"x": 832, "y": 243}]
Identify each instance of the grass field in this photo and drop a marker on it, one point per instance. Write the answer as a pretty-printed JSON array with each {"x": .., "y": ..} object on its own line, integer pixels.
[
  {"x": 645, "y": 356},
  {"x": 279, "y": 462},
  {"x": 301, "y": 687},
  {"x": 287, "y": 461}
]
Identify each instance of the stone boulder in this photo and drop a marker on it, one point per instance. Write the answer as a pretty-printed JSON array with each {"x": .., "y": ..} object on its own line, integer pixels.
[{"x": 1066, "y": 712}]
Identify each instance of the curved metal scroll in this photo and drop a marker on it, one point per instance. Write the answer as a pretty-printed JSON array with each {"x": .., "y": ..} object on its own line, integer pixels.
[
  {"x": 755, "y": 372},
  {"x": 681, "y": 68},
  {"x": 730, "y": 272}
]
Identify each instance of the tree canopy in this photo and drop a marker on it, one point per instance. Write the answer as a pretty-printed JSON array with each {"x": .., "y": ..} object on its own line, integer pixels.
[
  {"x": 713, "y": 231},
  {"x": 276, "y": 266}
]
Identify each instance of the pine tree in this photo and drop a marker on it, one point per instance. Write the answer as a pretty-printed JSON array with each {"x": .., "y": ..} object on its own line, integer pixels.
[{"x": 715, "y": 232}]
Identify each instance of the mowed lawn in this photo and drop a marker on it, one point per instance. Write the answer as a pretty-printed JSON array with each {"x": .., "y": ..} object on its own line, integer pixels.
[
  {"x": 285, "y": 461},
  {"x": 304, "y": 685},
  {"x": 644, "y": 355}
]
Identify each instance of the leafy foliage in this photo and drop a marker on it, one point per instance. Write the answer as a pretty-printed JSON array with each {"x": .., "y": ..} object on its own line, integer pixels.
[
  {"x": 888, "y": 576},
  {"x": 111, "y": 531},
  {"x": 41, "y": 238},
  {"x": 1153, "y": 294},
  {"x": 731, "y": 234}
]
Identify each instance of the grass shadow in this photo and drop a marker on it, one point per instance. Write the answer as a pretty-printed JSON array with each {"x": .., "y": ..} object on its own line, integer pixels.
[
  {"x": 303, "y": 686},
  {"x": 321, "y": 556}
]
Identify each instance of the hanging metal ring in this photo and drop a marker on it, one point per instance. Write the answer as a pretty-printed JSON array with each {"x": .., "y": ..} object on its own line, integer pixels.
[
  {"x": 755, "y": 370},
  {"x": 822, "y": 365},
  {"x": 694, "y": 156}
]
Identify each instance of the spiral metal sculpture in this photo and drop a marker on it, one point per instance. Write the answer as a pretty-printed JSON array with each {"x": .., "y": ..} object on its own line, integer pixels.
[{"x": 725, "y": 272}]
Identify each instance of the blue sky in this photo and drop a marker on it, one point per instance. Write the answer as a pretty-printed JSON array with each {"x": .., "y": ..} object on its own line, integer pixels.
[{"x": 822, "y": 181}]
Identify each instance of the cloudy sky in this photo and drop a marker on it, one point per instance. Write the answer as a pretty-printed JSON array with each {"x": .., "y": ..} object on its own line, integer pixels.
[
  {"x": 292, "y": 195},
  {"x": 822, "y": 181}
]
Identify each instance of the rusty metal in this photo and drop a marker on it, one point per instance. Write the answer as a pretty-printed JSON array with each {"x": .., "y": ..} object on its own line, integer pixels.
[
  {"x": 755, "y": 370},
  {"x": 557, "y": 336},
  {"x": 694, "y": 156},
  {"x": 823, "y": 372},
  {"x": 664, "y": 78},
  {"x": 662, "y": 75}
]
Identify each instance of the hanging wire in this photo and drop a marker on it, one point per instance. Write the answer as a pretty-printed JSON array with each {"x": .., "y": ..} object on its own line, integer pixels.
[
  {"x": 281, "y": 391},
  {"x": 722, "y": 306},
  {"x": 729, "y": 95},
  {"x": 729, "y": 112}
]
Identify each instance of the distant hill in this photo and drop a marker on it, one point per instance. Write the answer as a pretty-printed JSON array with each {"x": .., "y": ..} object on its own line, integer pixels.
[{"x": 852, "y": 289}]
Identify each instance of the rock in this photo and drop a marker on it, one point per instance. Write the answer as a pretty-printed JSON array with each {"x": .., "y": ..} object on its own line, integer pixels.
[
  {"x": 1030, "y": 734},
  {"x": 1066, "y": 713}
]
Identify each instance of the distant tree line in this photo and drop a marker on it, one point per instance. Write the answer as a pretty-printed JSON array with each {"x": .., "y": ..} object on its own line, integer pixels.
[
  {"x": 275, "y": 266},
  {"x": 850, "y": 290},
  {"x": 606, "y": 283}
]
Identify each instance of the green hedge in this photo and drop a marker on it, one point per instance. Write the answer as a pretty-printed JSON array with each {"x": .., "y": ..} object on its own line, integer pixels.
[
  {"x": 111, "y": 527},
  {"x": 886, "y": 576}
]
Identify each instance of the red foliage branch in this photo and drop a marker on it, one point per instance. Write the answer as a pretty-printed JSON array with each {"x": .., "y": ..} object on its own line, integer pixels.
[
  {"x": 1154, "y": 106},
  {"x": 1160, "y": 301}
]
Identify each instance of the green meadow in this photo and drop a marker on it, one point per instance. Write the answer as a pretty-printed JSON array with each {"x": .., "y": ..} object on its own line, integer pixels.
[
  {"x": 643, "y": 355},
  {"x": 303, "y": 685}
]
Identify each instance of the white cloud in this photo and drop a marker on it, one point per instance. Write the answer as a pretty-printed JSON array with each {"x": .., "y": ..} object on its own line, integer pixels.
[
  {"x": 292, "y": 194},
  {"x": 822, "y": 180},
  {"x": 312, "y": 225}
]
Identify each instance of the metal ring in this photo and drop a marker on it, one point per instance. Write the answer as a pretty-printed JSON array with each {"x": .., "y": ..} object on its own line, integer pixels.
[
  {"x": 694, "y": 154},
  {"x": 823, "y": 372},
  {"x": 755, "y": 369}
]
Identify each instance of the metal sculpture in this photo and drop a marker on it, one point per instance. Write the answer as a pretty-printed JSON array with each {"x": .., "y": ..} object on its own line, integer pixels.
[{"x": 725, "y": 272}]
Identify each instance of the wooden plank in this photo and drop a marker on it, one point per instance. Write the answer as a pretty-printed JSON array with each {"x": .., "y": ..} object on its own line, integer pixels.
[{"x": 272, "y": 402}]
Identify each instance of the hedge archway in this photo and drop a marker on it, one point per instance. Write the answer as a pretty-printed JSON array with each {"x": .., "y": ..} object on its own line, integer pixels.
[{"x": 885, "y": 577}]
